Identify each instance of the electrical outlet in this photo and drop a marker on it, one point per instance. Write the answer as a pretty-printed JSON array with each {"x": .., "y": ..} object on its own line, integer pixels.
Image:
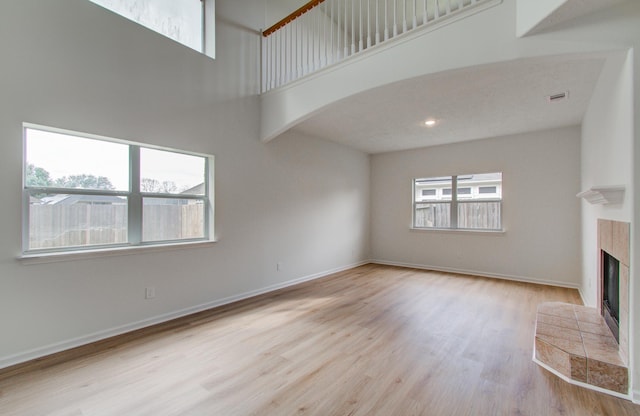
[
  {"x": 279, "y": 266},
  {"x": 150, "y": 292}
]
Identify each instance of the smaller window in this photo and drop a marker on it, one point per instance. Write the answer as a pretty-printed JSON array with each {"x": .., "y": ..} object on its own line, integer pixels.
[
  {"x": 465, "y": 202},
  {"x": 428, "y": 192},
  {"x": 487, "y": 190}
]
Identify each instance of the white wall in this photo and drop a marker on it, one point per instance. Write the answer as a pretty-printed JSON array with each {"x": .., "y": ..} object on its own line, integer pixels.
[
  {"x": 607, "y": 136},
  {"x": 540, "y": 211},
  {"x": 531, "y": 13},
  {"x": 71, "y": 64},
  {"x": 612, "y": 119}
]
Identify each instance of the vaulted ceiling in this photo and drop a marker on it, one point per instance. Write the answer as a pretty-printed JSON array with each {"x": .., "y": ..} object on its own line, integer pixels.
[{"x": 468, "y": 104}]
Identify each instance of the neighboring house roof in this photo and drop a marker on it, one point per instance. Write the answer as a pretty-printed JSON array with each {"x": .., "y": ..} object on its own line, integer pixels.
[
  {"x": 71, "y": 199},
  {"x": 65, "y": 199},
  {"x": 196, "y": 190}
]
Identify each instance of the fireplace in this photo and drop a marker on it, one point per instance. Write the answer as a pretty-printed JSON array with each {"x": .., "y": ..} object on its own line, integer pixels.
[
  {"x": 585, "y": 345},
  {"x": 613, "y": 280},
  {"x": 611, "y": 293}
]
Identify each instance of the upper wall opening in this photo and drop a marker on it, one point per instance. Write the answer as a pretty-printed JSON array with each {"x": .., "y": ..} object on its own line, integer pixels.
[{"x": 189, "y": 22}]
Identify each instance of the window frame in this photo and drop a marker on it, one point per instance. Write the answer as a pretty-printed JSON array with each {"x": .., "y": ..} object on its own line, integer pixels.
[
  {"x": 134, "y": 197},
  {"x": 453, "y": 199}
]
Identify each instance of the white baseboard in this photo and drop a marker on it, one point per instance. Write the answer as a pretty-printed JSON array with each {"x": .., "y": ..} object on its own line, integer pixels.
[
  {"x": 478, "y": 273},
  {"x": 584, "y": 302},
  {"x": 35, "y": 353}
]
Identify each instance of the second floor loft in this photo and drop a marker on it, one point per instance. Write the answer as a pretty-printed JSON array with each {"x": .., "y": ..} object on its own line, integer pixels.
[
  {"x": 481, "y": 70},
  {"x": 322, "y": 33}
]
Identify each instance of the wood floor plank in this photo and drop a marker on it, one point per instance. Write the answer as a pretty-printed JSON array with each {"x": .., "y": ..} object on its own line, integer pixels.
[{"x": 374, "y": 340}]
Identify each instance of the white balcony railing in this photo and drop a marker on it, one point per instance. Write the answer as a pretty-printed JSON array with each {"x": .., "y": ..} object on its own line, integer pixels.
[{"x": 325, "y": 32}]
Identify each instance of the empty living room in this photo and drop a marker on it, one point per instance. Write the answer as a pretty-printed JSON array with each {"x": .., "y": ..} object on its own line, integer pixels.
[{"x": 437, "y": 211}]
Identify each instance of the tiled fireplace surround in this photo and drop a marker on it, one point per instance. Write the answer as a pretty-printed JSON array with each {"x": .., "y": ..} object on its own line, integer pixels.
[{"x": 574, "y": 341}]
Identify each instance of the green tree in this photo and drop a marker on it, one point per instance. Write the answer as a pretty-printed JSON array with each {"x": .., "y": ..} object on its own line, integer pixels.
[
  {"x": 38, "y": 177},
  {"x": 84, "y": 181}
]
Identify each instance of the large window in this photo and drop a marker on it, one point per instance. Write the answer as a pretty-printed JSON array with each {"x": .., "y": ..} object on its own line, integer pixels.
[
  {"x": 471, "y": 202},
  {"x": 181, "y": 20},
  {"x": 86, "y": 192}
]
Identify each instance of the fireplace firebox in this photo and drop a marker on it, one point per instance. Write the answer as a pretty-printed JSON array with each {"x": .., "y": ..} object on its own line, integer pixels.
[{"x": 611, "y": 293}]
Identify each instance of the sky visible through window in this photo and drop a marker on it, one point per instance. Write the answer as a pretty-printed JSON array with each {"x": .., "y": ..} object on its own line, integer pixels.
[
  {"x": 65, "y": 155},
  {"x": 180, "y": 20}
]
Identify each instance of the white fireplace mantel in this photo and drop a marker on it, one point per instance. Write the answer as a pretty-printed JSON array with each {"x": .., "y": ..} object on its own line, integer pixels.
[{"x": 603, "y": 194}]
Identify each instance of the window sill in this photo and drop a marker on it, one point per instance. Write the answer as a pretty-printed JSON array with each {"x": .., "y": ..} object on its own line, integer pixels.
[
  {"x": 51, "y": 257},
  {"x": 461, "y": 231}
]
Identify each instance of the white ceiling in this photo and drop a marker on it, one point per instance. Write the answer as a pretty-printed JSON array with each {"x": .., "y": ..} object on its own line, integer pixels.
[{"x": 473, "y": 103}]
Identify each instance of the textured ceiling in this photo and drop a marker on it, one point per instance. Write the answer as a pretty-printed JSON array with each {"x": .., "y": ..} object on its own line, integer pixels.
[{"x": 474, "y": 103}]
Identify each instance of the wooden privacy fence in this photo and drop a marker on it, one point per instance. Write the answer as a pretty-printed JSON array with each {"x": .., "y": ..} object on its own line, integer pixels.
[
  {"x": 52, "y": 226},
  {"x": 471, "y": 215},
  {"x": 172, "y": 222}
]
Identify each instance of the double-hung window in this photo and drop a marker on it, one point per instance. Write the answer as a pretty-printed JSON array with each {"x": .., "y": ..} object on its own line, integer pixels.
[
  {"x": 87, "y": 192},
  {"x": 468, "y": 202}
]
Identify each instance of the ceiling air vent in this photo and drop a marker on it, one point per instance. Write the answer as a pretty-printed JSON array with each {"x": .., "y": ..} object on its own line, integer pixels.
[{"x": 558, "y": 97}]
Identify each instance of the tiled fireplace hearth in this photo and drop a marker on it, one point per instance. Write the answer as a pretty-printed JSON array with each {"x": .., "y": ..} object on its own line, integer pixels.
[{"x": 574, "y": 341}]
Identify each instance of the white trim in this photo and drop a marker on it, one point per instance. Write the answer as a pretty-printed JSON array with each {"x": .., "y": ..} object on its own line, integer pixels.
[
  {"x": 75, "y": 255},
  {"x": 582, "y": 296},
  {"x": 636, "y": 396},
  {"x": 35, "y": 353},
  {"x": 477, "y": 273},
  {"x": 579, "y": 383}
]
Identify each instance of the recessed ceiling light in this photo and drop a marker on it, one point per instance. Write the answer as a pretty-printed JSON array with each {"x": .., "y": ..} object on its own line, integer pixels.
[{"x": 430, "y": 123}]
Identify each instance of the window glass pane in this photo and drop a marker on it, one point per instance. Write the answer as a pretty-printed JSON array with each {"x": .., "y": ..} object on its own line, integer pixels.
[
  {"x": 428, "y": 192},
  {"x": 432, "y": 215},
  {"x": 464, "y": 191},
  {"x": 66, "y": 161},
  {"x": 180, "y": 20},
  {"x": 171, "y": 173},
  {"x": 60, "y": 220},
  {"x": 479, "y": 215},
  {"x": 480, "y": 184},
  {"x": 431, "y": 189},
  {"x": 487, "y": 190},
  {"x": 172, "y": 219}
]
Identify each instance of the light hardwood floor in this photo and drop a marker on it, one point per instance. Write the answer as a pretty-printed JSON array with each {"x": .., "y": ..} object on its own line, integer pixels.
[{"x": 374, "y": 340}]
